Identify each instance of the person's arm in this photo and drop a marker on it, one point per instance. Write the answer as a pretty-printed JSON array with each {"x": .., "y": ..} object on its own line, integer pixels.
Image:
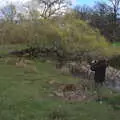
[{"x": 93, "y": 66}]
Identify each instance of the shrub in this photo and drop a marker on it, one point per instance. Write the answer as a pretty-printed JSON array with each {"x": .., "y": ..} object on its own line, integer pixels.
[{"x": 66, "y": 34}]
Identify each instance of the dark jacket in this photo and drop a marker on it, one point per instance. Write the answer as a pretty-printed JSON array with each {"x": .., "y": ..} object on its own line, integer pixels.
[{"x": 100, "y": 69}]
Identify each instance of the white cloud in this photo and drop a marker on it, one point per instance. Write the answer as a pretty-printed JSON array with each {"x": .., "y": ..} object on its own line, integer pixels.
[
  {"x": 19, "y": 4},
  {"x": 74, "y": 2},
  {"x": 16, "y": 2},
  {"x": 22, "y": 1},
  {"x": 4, "y": 2}
]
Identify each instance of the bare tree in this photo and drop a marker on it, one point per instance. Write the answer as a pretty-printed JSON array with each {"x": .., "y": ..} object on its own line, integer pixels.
[
  {"x": 9, "y": 12},
  {"x": 49, "y": 8},
  {"x": 115, "y": 6},
  {"x": 83, "y": 12}
]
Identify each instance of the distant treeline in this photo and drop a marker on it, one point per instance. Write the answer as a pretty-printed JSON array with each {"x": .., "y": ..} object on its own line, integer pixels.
[{"x": 103, "y": 15}]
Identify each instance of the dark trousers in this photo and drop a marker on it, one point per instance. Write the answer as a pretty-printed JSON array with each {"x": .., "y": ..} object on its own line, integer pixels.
[{"x": 98, "y": 89}]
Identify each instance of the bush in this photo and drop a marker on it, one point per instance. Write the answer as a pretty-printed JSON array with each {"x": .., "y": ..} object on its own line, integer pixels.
[
  {"x": 115, "y": 62},
  {"x": 65, "y": 34}
]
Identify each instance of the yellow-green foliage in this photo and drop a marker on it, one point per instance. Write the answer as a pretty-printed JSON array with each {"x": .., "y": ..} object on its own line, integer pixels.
[
  {"x": 69, "y": 33},
  {"x": 15, "y": 33},
  {"x": 76, "y": 35}
]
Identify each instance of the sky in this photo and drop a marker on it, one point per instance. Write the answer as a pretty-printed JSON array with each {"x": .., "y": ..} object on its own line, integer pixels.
[
  {"x": 75, "y": 2},
  {"x": 87, "y": 2},
  {"x": 19, "y": 3}
]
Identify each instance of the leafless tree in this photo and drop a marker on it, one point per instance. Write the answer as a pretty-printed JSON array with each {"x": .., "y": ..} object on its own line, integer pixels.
[
  {"x": 83, "y": 12},
  {"x": 9, "y": 12},
  {"x": 49, "y": 8},
  {"x": 115, "y": 6}
]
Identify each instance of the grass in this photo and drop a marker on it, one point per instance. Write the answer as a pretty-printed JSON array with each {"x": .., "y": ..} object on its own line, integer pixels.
[
  {"x": 5, "y": 49},
  {"x": 116, "y": 44},
  {"x": 27, "y": 96}
]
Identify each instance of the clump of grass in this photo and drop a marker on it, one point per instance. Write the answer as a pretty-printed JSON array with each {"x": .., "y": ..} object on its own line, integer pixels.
[
  {"x": 58, "y": 114},
  {"x": 31, "y": 69},
  {"x": 10, "y": 60},
  {"x": 28, "y": 66},
  {"x": 114, "y": 102}
]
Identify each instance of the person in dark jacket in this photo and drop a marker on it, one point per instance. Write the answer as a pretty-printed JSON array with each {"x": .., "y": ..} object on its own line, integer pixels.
[{"x": 99, "y": 67}]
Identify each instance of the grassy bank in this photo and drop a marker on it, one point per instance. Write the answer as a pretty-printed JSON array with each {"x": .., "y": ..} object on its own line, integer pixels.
[{"x": 26, "y": 95}]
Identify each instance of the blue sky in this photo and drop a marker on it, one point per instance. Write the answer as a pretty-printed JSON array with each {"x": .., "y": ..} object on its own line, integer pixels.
[{"x": 87, "y": 2}]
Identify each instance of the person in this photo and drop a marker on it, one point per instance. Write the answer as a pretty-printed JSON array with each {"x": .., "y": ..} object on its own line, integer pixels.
[{"x": 99, "y": 67}]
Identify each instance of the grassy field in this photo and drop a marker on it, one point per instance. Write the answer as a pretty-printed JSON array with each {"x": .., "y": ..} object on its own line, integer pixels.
[{"x": 26, "y": 95}]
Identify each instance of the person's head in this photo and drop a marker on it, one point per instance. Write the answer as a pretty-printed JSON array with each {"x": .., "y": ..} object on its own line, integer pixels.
[
  {"x": 101, "y": 58},
  {"x": 102, "y": 61}
]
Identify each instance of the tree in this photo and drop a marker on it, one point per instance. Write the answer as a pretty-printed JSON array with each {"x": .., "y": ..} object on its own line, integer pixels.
[
  {"x": 115, "y": 7},
  {"x": 102, "y": 9},
  {"x": 20, "y": 17},
  {"x": 49, "y": 8},
  {"x": 9, "y": 12},
  {"x": 108, "y": 18},
  {"x": 99, "y": 16},
  {"x": 83, "y": 12},
  {"x": 34, "y": 15},
  {"x": 104, "y": 17},
  {"x": 115, "y": 4}
]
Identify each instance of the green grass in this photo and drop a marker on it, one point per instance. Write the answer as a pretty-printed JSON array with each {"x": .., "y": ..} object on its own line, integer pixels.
[
  {"x": 27, "y": 96},
  {"x": 5, "y": 49},
  {"x": 116, "y": 44}
]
